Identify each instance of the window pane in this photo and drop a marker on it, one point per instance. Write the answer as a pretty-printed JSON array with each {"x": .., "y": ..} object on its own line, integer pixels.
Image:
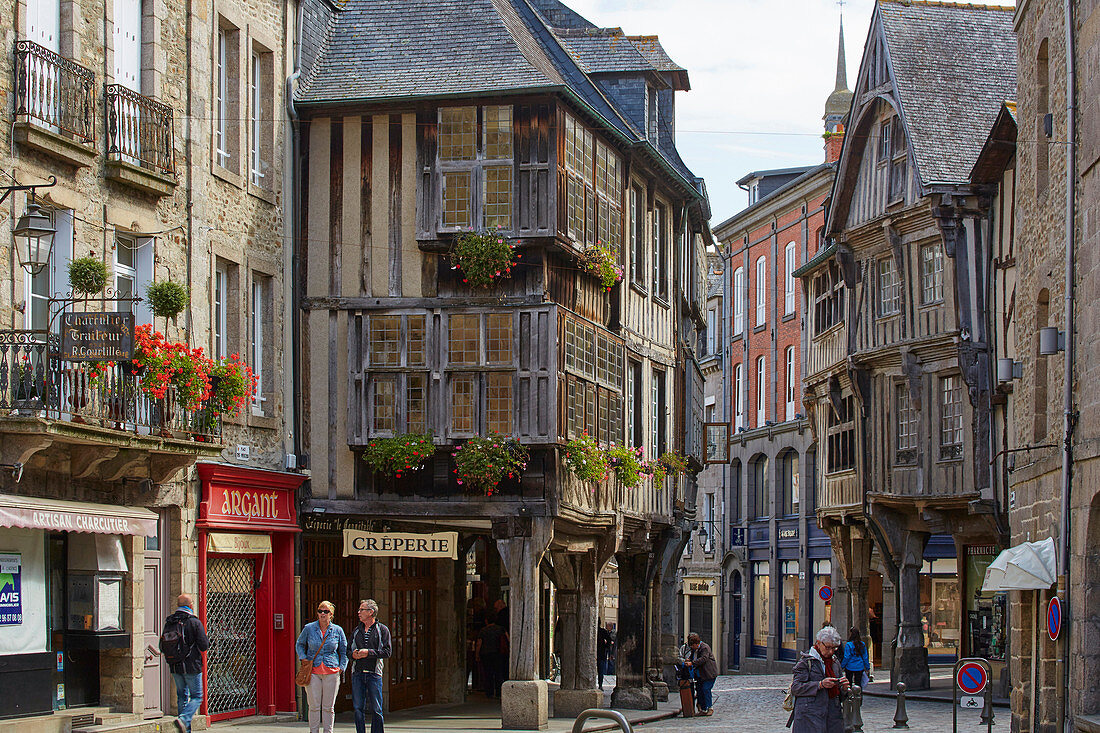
[
  {"x": 463, "y": 339},
  {"x": 462, "y": 403},
  {"x": 385, "y": 404},
  {"x": 951, "y": 432},
  {"x": 456, "y": 199},
  {"x": 500, "y": 403},
  {"x": 384, "y": 348},
  {"x": 931, "y": 265},
  {"x": 500, "y": 338},
  {"x": 498, "y": 197},
  {"x": 498, "y": 132},
  {"x": 416, "y": 399},
  {"x": 457, "y": 126},
  {"x": 416, "y": 341},
  {"x": 906, "y": 427}
]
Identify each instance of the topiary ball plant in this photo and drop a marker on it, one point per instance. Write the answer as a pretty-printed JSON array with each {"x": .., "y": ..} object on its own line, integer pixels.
[
  {"x": 87, "y": 275},
  {"x": 167, "y": 299}
]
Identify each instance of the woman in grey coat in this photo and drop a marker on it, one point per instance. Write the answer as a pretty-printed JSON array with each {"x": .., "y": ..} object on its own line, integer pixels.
[{"x": 818, "y": 684}]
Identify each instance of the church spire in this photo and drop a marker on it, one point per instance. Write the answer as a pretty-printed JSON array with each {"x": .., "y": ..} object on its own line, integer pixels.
[{"x": 841, "y": 65}]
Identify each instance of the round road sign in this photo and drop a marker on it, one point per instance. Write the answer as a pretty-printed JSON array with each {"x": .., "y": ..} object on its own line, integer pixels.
[
  {"x": 826, "y": 593},
  {"x": 1054, "y": 618},
  {"x": 972, "y": 678}
]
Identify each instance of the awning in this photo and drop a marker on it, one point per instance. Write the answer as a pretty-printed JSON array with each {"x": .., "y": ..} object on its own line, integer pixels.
[
  {"x": 73, "y": 516},
  {"x": 1028, "y": 566}
]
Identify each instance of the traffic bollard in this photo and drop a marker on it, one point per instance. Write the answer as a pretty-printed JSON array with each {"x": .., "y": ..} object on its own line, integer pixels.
[
  {"x": 987, "y": 710},
  {"x": 901, "y": 718},
  {"x": 857, "y": 709}
]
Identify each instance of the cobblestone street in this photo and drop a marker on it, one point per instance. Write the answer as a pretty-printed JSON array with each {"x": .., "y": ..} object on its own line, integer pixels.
[{"x": 751, "y": 703}]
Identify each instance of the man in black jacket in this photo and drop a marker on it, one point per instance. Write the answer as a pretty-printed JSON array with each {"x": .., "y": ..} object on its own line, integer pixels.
[
  {"x": 370, "y": 646},
  {"x": 186, "y": 668}
]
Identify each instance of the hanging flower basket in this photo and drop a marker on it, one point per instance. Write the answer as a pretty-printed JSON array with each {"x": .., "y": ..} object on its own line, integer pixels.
[
  {"x": 627, "y": 464},
  {"x": 602, "y": 261},
  {"x": 400, "y": 454},
  {"x": 482, "y": 463},
  {"x": 483, "y": 258},
  {"x": 232, "y": 385},
  {"x": 670, "y": 463},
  {"x": 170, "y": 363},
  {"x": 585, "y": 459}
]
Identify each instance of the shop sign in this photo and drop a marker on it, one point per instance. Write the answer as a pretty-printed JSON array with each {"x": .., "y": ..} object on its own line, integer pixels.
[
  {"x": 239, "y": 544},
  {"x": 321, "y": 524},
  {"x": 235, "y": 505},
  {"x": 97, "y": 336},
  {"x": 978, "y": 550},
  {"x": 11, "y": 603},
  {"x": 700, "y": 587},
  {"x": 788, "y": 533},
  {"x": 400, "y": 544}
]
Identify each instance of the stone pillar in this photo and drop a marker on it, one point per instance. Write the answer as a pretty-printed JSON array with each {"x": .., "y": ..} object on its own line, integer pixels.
[
  {"x": 631, "y": 691},
  {"x": 669, "y": 622},
  {"x": 579, "y": 614},
  {"x": 522, "y": 542},
  {"x": 911, "y": 657}
]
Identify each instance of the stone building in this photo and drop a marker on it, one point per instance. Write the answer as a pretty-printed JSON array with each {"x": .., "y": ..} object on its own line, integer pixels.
[
  {"x": 164, "y": 133},
  {"x": 525, "y": 121},
  {"x": 1050, "y": 460},
  {"x": 772, "y": 560},
  {"x": 898, "y": 377}
]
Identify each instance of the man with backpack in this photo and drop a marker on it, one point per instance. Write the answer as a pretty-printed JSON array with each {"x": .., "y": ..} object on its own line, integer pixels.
[{"x": 182, "y": 643}]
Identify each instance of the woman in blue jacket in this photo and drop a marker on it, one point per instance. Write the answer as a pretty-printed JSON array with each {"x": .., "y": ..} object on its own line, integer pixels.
[
  {"x": 855, "y": 661},
  {"x": 324, "y": 644}
]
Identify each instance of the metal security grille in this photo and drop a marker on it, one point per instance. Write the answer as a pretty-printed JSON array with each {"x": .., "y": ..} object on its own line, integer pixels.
[{"x": 231, "y": 625}]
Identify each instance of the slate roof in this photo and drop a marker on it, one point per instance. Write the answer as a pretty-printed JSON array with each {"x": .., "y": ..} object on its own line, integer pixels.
[
  {"x": 389, "y": 50},
  {"x": 953, "y": 66}
]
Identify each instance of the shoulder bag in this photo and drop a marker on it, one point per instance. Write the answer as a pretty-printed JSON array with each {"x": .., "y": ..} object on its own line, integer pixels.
[{"x": 305, "y": 667}]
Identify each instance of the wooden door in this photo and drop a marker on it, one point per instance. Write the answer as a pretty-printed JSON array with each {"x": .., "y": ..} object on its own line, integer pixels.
[
  {"x": 154, "y": 674},
  {"x": 412, "y": 671},
  {"x": 329, "y": 576}
]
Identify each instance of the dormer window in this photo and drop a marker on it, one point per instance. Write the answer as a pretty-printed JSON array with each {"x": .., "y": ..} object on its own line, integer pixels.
[
  {"x": 754, "y": 192},
  {"x": 475, "y": 165}
]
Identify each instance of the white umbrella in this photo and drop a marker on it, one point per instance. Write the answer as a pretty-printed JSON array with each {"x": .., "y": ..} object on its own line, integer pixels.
[{"x": 1027, "y": 566}]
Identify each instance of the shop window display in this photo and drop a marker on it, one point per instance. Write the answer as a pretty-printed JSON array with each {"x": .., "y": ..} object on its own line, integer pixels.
[
  {"x": 790, "y": 606},
  {"x": 985, "y": 612},
  {"x": 760, "y": 604},
  {"x": 940, "y": 608}
]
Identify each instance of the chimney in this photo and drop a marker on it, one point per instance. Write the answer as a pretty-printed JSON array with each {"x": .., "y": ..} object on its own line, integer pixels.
[{"x": 834, "y": 141}]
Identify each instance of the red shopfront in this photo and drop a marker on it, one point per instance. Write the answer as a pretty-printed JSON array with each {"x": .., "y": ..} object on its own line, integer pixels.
[{"x": 247, "y": 522}]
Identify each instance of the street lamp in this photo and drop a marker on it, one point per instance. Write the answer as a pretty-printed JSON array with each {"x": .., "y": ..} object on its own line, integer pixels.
[{"x": 33, "y": 232}]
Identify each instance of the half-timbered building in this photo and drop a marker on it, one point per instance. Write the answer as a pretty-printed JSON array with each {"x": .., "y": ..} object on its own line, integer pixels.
[
  {"x": 898, "y": 377},
  {"x": 421, "y": 121}
]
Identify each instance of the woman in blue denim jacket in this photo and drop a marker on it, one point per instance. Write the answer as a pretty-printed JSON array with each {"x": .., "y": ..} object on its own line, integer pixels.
[{"x": 324, "y": 644}]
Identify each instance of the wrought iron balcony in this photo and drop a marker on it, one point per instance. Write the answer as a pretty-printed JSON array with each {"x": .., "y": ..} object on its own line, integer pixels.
[
  {"x": 56, "y": 93},
  {"x": 34, "y": 382},
  {"x": 139, "y": 130}
]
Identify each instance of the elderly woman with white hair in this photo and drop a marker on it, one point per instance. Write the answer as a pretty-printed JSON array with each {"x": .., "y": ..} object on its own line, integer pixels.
[{"x": 817, "y": 685}]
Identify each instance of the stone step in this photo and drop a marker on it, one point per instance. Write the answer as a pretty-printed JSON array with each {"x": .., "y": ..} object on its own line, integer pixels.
[{"x": 61, "y": 721}]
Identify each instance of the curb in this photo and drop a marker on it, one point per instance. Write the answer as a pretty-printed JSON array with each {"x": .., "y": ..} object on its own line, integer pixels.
[
  {"x": 256, "y": 720},
  {"x": 928, "y": 698}
]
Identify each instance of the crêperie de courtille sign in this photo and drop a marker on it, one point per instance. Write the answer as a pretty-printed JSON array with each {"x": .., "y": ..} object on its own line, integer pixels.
[
  {"x": 97, "y": 336},
  {"x": 402, "y": 544}
]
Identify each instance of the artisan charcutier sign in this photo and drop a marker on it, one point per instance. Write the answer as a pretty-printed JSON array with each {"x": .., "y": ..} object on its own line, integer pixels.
[{"x": 97, "y": 336}]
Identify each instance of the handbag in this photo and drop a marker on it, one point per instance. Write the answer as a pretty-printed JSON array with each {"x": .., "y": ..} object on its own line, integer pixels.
[
  {"x": 305, "y": 668},
  {"x": 788, "y": 701}
]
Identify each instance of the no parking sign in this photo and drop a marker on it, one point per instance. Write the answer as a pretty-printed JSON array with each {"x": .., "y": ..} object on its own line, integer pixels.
[
  {"x": 825, "y": 594},
  {"x": 1054, "y": 618},
  {"x": 972, "y": 678}
]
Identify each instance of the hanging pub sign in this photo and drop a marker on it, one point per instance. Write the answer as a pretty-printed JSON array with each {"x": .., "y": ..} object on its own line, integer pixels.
[{"x": 97, "y": 336}]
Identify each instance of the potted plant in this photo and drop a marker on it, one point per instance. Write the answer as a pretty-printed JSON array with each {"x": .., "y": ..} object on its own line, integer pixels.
[
  {"x": 481, "y": 463},
  {"x": 87, "y": 275},
  {"x": 585, "y": 458},
  {"x": 170, "y": 364},
  {"x": 670, "y": 463},
  {"x": 399, "y": 454},
  {"x": 603, "y": 261},
  {"x": 483, "y": 258},
  {"x": 627, "y": 464},
  {"x": 167, "y": 298}
]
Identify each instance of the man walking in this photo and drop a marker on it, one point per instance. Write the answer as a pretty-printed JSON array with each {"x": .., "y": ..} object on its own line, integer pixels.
[
  {"x": 370, "y": 645},
  {"x": 182, "y": 642}
]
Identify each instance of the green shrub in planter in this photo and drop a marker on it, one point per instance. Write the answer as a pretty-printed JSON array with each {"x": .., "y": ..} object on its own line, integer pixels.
[
  {"x": 87, "y": 275},
  {"x": 167, "y": 299}
]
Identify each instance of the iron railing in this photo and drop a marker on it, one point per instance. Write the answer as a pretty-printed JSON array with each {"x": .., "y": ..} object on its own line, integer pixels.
[
  {"x": 139, "y": 130},
  {"x": 57, "y": 92},
  {"x": 34, "y": 382}
]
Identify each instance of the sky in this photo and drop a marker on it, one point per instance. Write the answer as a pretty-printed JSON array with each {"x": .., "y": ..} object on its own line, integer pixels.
[{"x": 760, "y": 73}]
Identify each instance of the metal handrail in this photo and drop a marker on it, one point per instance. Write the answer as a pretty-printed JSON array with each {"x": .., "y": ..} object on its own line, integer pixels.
[
  {"x": 624, "y": 724},
  {"x": 56, "y": 91}
]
